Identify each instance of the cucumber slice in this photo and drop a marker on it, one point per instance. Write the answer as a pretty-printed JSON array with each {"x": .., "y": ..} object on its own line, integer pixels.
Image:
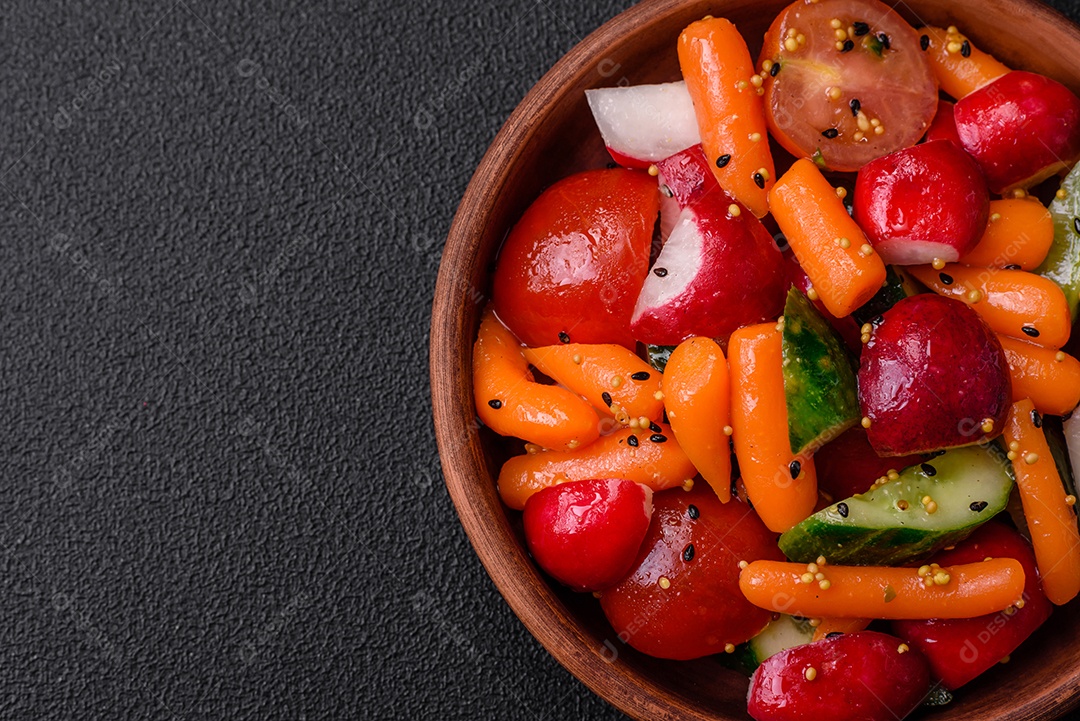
[
  {"x": 658, "y": 355},
  {"x": 781, "y": 634},
  {"x": 898, "y": 285},
  {"x": 969, "y": 485},
  {"x": 819, "y": 382},
  {"x": 1062, "y": 264}
]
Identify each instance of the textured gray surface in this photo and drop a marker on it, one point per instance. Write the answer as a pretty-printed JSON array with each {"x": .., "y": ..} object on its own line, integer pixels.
[{"x": 221, "y": 224}]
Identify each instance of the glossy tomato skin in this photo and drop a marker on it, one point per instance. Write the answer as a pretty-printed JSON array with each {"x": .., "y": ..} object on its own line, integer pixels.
[
  {"x": 920, "y": 203},
  {"x": 916, "y": 377},
  {"x": 864, "y": 676},
  {"x": 944, "y": 125},
  {"x": 849, "y": 465},
  {"x": 960, "y": 649},
  {"x": 1022, "y": 128},
  {"x": 896, "y": 87},
  {"x": 586, "y": 534},
  {"x": 571, "y": 268},
  {"x": 693, "y": 546}
]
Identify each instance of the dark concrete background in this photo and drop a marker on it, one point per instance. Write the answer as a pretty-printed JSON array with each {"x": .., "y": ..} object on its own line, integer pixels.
[{"x": 220, "y": 225}]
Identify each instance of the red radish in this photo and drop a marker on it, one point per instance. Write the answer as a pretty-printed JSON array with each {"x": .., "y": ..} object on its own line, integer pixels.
[
  {"x": 921, "y": 203},
  {"x": 944, "y": 125},
  {"x": 962, "y": 648},
  {"x": 864, "y": 676},
  {"x": 719, "y": 268},
  {"x": 933, "y": 376},
  {"x": 1022, "y": 128},
  {"x": 586, "y": 534},
  {"x": 849, "y": 465},
  {"x": 642, "y": 124}
]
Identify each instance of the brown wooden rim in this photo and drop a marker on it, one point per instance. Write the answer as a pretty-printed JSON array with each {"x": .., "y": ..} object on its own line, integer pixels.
[{"x": 453, "y": 411}]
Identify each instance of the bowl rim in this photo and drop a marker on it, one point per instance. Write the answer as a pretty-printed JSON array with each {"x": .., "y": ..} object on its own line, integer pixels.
[{"x": 454, "y": 412}]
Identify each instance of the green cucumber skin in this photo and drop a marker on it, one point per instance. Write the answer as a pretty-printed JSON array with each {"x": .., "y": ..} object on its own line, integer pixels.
[
  {"x": 897, "y": 287},
  {"x": 819, "y": 382},
  {"x": 968, "y": 474},
  {"x": 781, "y": 634},
  {"x": 1062, "y": 264}
]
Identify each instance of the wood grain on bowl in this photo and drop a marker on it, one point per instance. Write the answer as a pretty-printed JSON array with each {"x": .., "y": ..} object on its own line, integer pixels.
[{"x": 550, "y": 135}]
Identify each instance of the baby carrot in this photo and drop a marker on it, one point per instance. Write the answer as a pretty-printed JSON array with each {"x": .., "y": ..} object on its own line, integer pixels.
[
  {"x": 698, "y": 399},
  {"x": 963, "y": 591},
  {"x": 782, "y": 486},
  {"x": 653, "y": 459},
  {"x": 960, "y": 67},
  {"x": 511, "y": 403},
  {"x": 1050, "y": 378},
  {"x": 1050, "y": 518},
  {"x": 839, "y": 625},
  {"x": 1019, "y": 234},
  {"x": 719, "y": 74},
  {"x": 611, "y": 377},
  {"x": 829, "y": 245},
  {"x": 1015, "y": 303}
]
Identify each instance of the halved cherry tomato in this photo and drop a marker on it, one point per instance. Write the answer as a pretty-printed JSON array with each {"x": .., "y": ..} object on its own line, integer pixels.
[
  {"x": 824, "y": 100},
  {"x": 572, "y": 267}
]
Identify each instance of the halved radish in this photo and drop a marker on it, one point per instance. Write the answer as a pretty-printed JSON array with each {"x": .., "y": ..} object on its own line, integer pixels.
[{"x": 642, "y": 124}]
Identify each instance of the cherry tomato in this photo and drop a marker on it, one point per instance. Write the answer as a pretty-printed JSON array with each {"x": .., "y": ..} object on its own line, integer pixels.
[
  {"x": 682, "y": 599},
  {"x": 823, "y": 101},
  {"x": 572, "y": 267}
]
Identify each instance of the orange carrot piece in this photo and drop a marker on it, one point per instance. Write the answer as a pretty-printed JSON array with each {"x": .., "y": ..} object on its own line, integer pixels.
[
  {"x": 511, "y": 403},
  {"x": 658, "y": 465},
  {"x": 698, "y": 399},
  {"x": 960, "y": 71},
  {"x": 1050, "y": 519},
  {"x": 1019, "y": 233},
  {"x": 842, "y": 266},
  {"x": 593, "y": 370},
  {"x": 1050, "y": 378},
  {"x": 717, "y": 67},
  {"x": 972, "y": 589},
  {"x": 1008, "y": 300},
  {"x": 759, "y": 419},
  {"x": 839, "y": 625}
]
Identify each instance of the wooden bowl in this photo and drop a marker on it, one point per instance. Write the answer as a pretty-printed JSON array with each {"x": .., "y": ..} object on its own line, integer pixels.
[{"x": 550, "y": 135}]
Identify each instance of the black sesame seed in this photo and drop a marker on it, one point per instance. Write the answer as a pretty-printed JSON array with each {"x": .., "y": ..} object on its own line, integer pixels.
[
  {"x": 564, "y": 336},
  {"x": 641, "y": 376},
  {"x": 657, "y": 438},
  {"x": 855, "y": 106},
  {"x": 632, "y": 441},
  {"x": 946, "y": 278},
  {"x": 924, "y": 42},
  {"x": 795, "y": 469},
  {"x": 1029, "y": 331},
  {"x": 666, "y": 192},
  {"x": 723, "y": 160},
  {"x": 928, "y": 469},
  {"x": 660, "y": 272},
  {"x": 978, "y": 506},
  {"x": 1076, "y": 225},
  {"x": 834, "y": 634},
  {"x": 774, "y": 70},
  {"x": 495, "y": 403},
  {"x": 606, "y": 397},
  {"x": 1012, "y": 266},
  {"x": 884, "y": 40},
  {"x": 842, "y": 509},
  {"x": 877, "y": 320},
  {"x": 937, "y": 454},
  {"x": 861, "y": 28},
  {"x": 830, "y": 133},
  {"x": 965, "y": 49},
  {"x": 654, "y": 428},
  {"x": 759, "y": 180},
  {"x": 688, "y": 553},
  {"x": 693, "y": 512},
  {"x": 1036, "y": 419},
  {"x": 849, "y": 45}
]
